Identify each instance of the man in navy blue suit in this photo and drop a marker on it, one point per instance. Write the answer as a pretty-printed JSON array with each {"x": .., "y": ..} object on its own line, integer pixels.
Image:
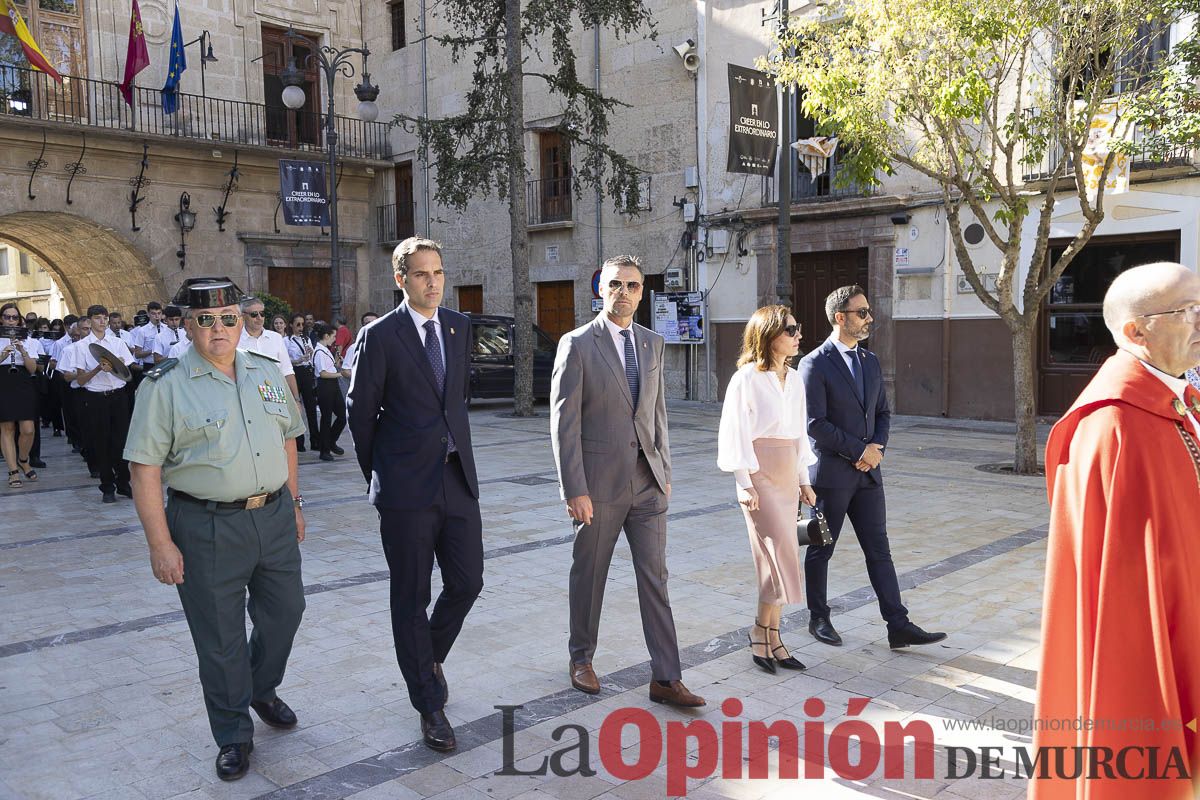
[
  {"x": 408, "y": 416},
  {"x": 848, "y": 423}
]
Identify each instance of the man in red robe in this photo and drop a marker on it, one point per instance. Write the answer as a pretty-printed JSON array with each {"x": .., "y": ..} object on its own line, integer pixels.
[{"x": 1121, "y": 620}]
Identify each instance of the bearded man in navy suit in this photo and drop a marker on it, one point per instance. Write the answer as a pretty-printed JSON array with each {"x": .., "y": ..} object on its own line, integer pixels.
[
  {"x": 408, "y": 415},
  {"x": 848, "y": 423}
]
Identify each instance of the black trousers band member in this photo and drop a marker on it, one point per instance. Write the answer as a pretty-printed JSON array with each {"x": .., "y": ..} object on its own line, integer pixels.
[
  {"x": 333, "y": 413},
  {"x": 306, "y": 382},
  {"x": 865, "y": 507},
  {"x": 449, "y": 530},
  {"x": 104, "y": 418}
]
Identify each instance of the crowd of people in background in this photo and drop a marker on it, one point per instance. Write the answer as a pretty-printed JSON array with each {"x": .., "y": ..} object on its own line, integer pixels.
[{"x": 51, "y": 379}]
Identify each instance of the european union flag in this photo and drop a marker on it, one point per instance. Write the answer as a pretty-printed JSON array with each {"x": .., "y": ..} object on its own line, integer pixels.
[{"x": 175, "y": 68}]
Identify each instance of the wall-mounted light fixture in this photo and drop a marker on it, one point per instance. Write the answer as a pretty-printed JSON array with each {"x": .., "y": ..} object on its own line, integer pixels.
[{"x": 186, "y": 219}]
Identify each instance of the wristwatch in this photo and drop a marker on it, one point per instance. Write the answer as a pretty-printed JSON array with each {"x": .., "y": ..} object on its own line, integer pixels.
[{"x": 299, "y": 501}]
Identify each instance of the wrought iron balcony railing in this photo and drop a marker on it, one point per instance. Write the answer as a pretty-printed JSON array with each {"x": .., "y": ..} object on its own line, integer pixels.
[
  {"x": 1141, "y": 159},
  {"x": 29, "y": 94},
  {"x": 396, "y": 221},
  {"x": 807, "y": 189},
  {"x": 549, "y": 200}
]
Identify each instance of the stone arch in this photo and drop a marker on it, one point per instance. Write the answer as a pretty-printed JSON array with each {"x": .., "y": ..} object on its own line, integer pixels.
[{"x": 89, "y": 262}]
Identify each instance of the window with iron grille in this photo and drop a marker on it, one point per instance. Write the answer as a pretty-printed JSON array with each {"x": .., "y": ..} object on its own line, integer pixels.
[{"x": 396, "y": 9}]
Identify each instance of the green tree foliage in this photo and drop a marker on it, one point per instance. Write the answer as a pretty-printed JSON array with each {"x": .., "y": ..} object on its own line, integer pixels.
[
  {"x": 481, "y": 152},
  {"x": 974, "y": 95}
]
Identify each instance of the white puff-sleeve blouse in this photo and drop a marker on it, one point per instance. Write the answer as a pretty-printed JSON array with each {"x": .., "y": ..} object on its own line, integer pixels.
[{"x": 757, "y": 406}]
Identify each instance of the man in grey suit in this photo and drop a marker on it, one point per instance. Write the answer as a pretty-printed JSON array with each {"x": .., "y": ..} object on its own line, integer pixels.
[{"x": 608, "y": 423}]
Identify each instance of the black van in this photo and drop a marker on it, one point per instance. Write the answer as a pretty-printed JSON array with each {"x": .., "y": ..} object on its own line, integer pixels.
[{"x": 492, "y": 365}]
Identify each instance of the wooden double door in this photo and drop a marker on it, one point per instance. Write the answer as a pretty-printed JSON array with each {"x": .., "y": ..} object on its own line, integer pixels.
[
  {"x": 306, "y": 289},
  {"x": 814, "y": 277}
]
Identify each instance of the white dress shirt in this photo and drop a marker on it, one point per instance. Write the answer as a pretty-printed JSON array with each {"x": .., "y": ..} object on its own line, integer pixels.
[
  {"x": 323, "y": 361},
  {"x": 300, "y": 349},
  {"x": 79, "y": 357},
  {"x": 420, "y": 321},
  {"x": 1178, "y": 386},
  {"x": 145, "y": 336},
  {"x": 32, "y": 346},
  {"x": 269, "y": 343},
  {"x": 757, "y": 406},
  {"x": 614, "y": 330},
  {"x": 167, "y": 337},
  {"x": 179, "y": 347},
  {"x": 850, "y": 355},
  {"x": 351, "y": 357}
]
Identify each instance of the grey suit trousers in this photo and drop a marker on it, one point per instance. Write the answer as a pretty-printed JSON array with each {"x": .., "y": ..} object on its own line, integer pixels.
[{"x": 642, "y": 512}]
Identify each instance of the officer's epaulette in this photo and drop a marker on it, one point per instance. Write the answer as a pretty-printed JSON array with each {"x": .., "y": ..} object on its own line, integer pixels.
[
  {"x": 161, "y": 368},
  {"x": 272, "y": 359}
]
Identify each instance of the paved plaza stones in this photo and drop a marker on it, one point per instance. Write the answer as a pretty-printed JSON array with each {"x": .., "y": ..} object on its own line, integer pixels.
[{"x": 99, "y": 696}]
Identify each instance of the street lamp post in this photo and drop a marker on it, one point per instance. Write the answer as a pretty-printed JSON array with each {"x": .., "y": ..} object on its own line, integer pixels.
[{"x": 332, "y": 62}]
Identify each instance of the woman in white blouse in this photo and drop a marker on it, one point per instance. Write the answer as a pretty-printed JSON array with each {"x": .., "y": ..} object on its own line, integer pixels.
[
  {"x": 329, "y": 394},
  {"x": 763, "y": 441}
]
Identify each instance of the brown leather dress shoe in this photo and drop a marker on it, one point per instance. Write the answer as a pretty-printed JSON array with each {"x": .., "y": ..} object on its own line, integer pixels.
[
  {"x": 583, "y": 678},
  {"x": 676, "y": 694}
]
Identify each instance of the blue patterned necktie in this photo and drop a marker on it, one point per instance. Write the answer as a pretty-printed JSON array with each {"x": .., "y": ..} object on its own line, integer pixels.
[
  {"x": 631, "y": 370},
  {"x": 856, "y": 371},
  {"x": 433, "y": 351}
]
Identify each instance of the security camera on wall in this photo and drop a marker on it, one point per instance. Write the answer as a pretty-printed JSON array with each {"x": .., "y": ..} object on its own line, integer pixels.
[{"x": 687, "y": 52}]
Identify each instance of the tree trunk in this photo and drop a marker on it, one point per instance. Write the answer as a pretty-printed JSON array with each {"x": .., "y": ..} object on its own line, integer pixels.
[
  {"x": 518, "y": 214},
  {"x": 1025, "y": 460}
]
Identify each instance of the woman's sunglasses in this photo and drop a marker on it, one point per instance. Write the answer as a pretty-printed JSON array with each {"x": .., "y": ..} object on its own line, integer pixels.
[
  {"x": 208, "y": 320},
  {"x": 791, "y": 330}
]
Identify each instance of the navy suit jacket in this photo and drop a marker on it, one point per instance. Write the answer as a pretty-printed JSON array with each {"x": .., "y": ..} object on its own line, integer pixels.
[
  {"x": 398, "y": 417},
  {"x": 840, "y": 425}
]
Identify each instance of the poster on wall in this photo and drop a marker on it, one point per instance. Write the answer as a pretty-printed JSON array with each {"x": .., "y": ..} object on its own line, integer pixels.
[
  {"x": 753, "y": 122},
  {"x": 679, "y": 316},
  {"x": 302, "y": 193}
]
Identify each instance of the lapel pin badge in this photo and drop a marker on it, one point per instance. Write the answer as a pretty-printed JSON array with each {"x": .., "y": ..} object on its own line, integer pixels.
[{"x": 452, "y": 331}]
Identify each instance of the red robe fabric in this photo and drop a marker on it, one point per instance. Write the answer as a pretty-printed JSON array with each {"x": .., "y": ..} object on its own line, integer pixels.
[{"x": 1121, "y": 614}]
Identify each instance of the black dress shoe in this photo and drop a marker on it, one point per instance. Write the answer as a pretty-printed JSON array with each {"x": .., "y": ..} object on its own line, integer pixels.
[
  {"x": 911, "y": 634},
  {"x": 327, "y": 457},
  {"x": 37, "y": 463},
  {"x": 125, "y": 491},
  {"x": 337, "y": 451},
  {"x": 58, "y": 433},
  {"x": 108, "y": 497},
  {"x": 234, "y": 760},
  {"x": 822, "y": 630},
  {"x": 438, "y": 734},
  {"x": 275, "y": 713},
  {"x": 441, "y": 679}
]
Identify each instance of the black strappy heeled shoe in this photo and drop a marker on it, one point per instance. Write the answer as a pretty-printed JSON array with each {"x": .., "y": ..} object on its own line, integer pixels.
[
  {"x": 790, "y": 662},
  {"x": 762, "y": 662},
  {"x": 15, "y": 483},
  {"x": 30, "y": 474}
]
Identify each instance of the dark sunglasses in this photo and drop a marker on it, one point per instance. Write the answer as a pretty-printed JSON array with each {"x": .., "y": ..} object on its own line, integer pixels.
[
  {"x": 208, "y": 320},
  {"x": 255, "y": 314},
  {"x": 863, "y": 313},
  {"x": 791, "y": 330},
  {"x": 11, "y": 316},
  {"x": 630, "y": 286}
]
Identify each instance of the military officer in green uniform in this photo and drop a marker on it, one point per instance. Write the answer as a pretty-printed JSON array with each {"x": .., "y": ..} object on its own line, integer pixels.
[{"x": 218, "y": 427}]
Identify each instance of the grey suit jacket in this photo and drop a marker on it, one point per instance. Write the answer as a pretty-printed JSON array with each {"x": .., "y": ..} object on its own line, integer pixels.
[{"x": 594, "y": 429}]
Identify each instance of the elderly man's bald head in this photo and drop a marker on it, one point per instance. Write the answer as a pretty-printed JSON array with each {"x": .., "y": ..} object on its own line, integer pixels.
[{"x": 1148, "y": 289}]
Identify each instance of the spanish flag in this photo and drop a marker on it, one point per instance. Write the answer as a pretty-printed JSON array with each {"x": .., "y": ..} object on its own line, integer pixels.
[{"x": 12, "y": 23}]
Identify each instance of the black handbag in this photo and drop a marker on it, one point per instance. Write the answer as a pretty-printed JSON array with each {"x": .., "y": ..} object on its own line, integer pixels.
[{"x": 814, "y": 531}]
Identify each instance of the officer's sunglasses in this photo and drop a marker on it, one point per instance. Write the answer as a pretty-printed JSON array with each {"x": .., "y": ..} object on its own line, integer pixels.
[{"x": 208, "y": 320}]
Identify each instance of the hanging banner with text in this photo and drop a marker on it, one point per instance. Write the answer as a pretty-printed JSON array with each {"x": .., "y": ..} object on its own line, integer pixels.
[
  {"x": 302, "y": 189},
  {"x": 753, "y": 122}
]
